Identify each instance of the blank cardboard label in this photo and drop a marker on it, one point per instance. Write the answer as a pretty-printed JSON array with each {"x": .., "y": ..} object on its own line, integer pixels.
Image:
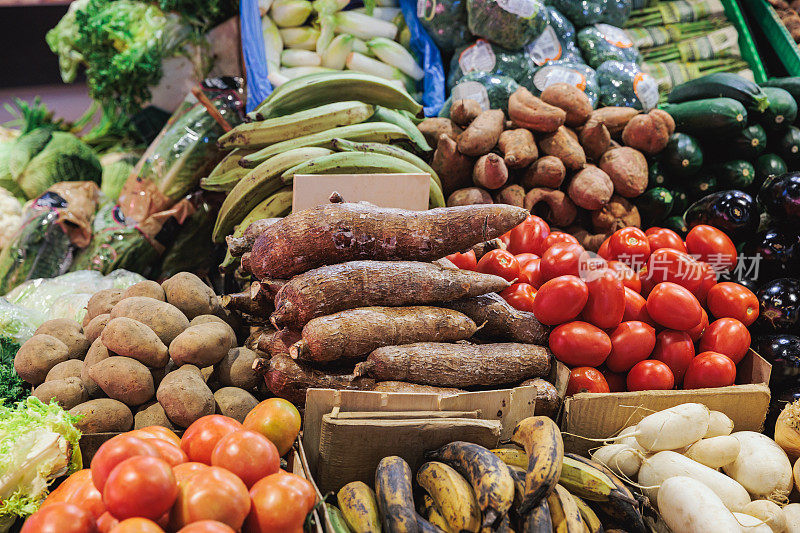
[{"x": 403, "y": 191}]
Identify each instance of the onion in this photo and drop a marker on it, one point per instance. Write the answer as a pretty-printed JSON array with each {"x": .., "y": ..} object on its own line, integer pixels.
[{"x": 787, "y": 430}]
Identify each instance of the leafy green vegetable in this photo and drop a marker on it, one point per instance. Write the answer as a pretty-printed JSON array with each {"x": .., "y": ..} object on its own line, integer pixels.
[
  {"x": 490, "y": 90},
  {"x": 116, "y": 169},
  {"x": 446, "y": 23},
  {"x": 202, "y": 14},
  {"x": 510, "y": 23},
  {"x": 581, "y": 12},
  {"x": 579, "y": 74},
  {"x": 603, "y": 42},
  {"x": 625, "y": 85},
  {"x": 12, "y": 388},
  {"x": 486, "y": 57}
]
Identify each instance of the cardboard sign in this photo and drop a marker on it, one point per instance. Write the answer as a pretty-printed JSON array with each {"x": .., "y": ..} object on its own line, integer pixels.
[{"x": 403, "y": 191}]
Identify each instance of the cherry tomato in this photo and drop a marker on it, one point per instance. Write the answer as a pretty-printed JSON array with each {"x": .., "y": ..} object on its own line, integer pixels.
[
  {"x": 248, "y": 454},
  {"x": 732, "y": 300},
  {"x": 560, "y": 300},
  {"x": 137, "y": 525},
  {"x": 531, "y": 274},
  {"x": 106, "y": 522},
  {"x": 664, "y": 238},
  {"x": 465, "y": 261},
  {"x": 674, "y": 307},
  {"x": 184, "y": 471},
  {"x": 520, "y": 296},
  {"x": 631, "y": 342},
  {"x": 696, "y": 333},
  {"x": 211, "y": 494},
  {"x": 561, "y": 259},
  {"x": 114, "y": 451},
  {"x": 629, "y": 278},
  {"x": 605, "y": 305},
  {"x": 207, "y": 526},
  {"x": 157, "y": 432},
  {"x": 603, "y": 250},
  {"x": 710, "y": 369},
  {"x": 556, "y": 237},
  {"x": 199, "y": 439},
  {"x": 636, "y": 308},
  {"x": 276, "y": 419},
  {"x": 671, "y": 265},
  {"x": 630, "y": 246},
  {"x": 708, "y": 278},
  {"x": 586, "y": 379},
  {"x": 676, "y": 350},
  {"x": 727, "y": 336},
  {"x": 500, "y": 263},
  {"x": 140, "y": 487},
  {"x": 616, "y": 382},
  {"x": 712, "y": 246},
  {"x": 529, "y": 236},
  {"x": 60, "y": 518},
  {"x": 650, "y": 375},
  {"x": 280, "y": 504},
  {"x": 580, "y": 344},
  {"x": 524, "y": 259}
]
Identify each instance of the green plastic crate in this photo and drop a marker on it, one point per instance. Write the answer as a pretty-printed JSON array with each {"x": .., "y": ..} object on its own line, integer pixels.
[
  {"x": 746, "y": 43},
  {"x": 777, "y": 35}
]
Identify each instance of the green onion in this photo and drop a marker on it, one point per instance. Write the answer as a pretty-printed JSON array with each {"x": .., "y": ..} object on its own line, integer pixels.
[
  {"x": 363, "y": 26},
  {"x": 300, "y": 58},
  {"x": 336, "y": 54},
  {"x": 396, "y": 55}
]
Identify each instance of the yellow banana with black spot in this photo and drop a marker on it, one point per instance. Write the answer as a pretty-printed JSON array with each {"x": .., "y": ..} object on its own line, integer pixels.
[
  {"x": 359, "y": 507},
  {"x": 512, "y": 456},
  {"x": 394, "y": 495},
  {"x": 590, "y": 518},
  {"x": 539, "y": 519},
  {"x": 585, "y": 480},
  {"x": 564, "y": 512},
  {"x": 431, "y": 513},
  {"x": 452, "y": 495},
  {"x": 541, "y": 438}
]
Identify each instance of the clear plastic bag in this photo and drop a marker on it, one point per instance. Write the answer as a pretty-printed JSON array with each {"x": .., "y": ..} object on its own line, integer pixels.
[
  {"x": 489, "y": 90},
  {"x": 445, "y": 21},
  {"x": 483, "y": 56},
  {"x": 509, "y": 23},
  {"x": 602, "y": 42},
  {"x": 617, "y": 12},
  {"x": 626, "y": 85},
  {"x": 18, "y": 323},
  {"x": 580, "y": 12},
  {"x": 556, "y": 43},
  {"x": 579, "y": 74}
]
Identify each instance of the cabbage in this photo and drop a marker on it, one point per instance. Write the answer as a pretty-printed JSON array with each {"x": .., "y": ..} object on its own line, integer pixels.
[{"x": 510, "y": 23}]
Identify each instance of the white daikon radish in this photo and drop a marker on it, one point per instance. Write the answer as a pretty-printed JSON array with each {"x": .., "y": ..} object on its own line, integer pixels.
[
  {"x": 768, "y": 512},
  {"x": 762, "y": 467},
  {"x": 792, "y": 515},
  {"x": 673, "y": 428},
  {"x": 718, "y": 425},
  {"x": 665, "y": 465},
  {"x": 796, "y": 473},
  {"x": 688, "y": 506},
  {"x": 751, "y": 524},
  {"x": 715, "y": 452},
  {"x": 620, "y": 458}
]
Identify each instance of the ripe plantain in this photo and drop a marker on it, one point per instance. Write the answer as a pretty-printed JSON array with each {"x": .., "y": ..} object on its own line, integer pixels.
[
  {"x": 359, "y": 507},
  {"x": 539, "y": 519},
  {"x": 512, "y": 456},
  {"x": 432, "y": 514},
  {"x": 426, "y": 527},
  {"x": 564, "y": 512},
  {"x": 452, "y": 495},
  {"x": 541, "y": 438},
  {"x": 394, "y": 495},
  {"x": 585, "y": 480},
  {"x": 590, "y": 519}
]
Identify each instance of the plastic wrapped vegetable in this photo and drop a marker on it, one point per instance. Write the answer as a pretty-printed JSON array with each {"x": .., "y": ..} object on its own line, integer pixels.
[
  {"x": 556, "y": 43},
  {"x": 445, "y": 21},
  {"x": 483, "y": 56},
  {"x": 603, "y": 42},
  {"x": 581, "y": 12},
  {"x": 625, "y": 85},
  {"x": 616, "y": 12},
  {"x": 116, "y": 169},
  {"x": 489, "y": 90},
  {"x": 193, "y": 250},
  {"x": 578, "y": 74},
  {"x": 510, "y": 23},
  {"x": 17, "y": 325}
]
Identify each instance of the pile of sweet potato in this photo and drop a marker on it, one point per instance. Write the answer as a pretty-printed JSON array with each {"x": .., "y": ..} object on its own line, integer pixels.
[
  {"x": 150, "y": 355},
  {"x": 553, "y": 155}
]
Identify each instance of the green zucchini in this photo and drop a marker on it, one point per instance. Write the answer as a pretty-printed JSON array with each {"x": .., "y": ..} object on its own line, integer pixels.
[
  {"x": 682, "y": 157},
  {"x": 782, "y": 108},
  {"x": 790, "y": 84},
  {"x": 735, "y": 174},
  {"x": 721, "y": 84},
  {"x": 701, "y": 186},
  {"x": 769, "y": 165},
  {"x": 749, "y": 144},
  {"x": 676, "y": 224},
  {"x": 656, "y": 176},
  {"x": 788, "y": 144},
  {"x": 708, "y": 116},
  {"x": 337, "y": 519},
  {"x": 655, "y": 204},
  {"x": 680, "y": 201}
]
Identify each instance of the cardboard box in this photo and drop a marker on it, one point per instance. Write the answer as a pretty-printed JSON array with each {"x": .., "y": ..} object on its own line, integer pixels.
[
  {"x": 402, "y": 191},
  {"x": 602, "y": 415}
]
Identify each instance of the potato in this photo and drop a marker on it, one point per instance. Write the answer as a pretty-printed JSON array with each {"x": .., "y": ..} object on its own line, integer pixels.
[
  {"x": 67, "y": 392},
  {"x": 97, "y": 352},
  {"x": 95, "y": 326},
  {"x": 151, "y": 415},
  {"x": 130, "y": 338},
  {"x": 234, "y": 402},
  {"x": 69, "y": 332},
  {"x": 37, "y": 356},
  {"x": 591, "y": 188},
  {"x": 469, "y": 196},
  {"x": 463, "y": 112},
  {"x": 618, "y": 213},
  {"x": 202, "y": 345},
  {"x": 236, "y": 369},
  {"x": 627, "y": 169},
  {"x": 147, "y": 288},
  {"x": 482, "y": 134},
  {"x": 564, "y": 146},
  {"x": 571, "y": 99},
  {"x": 188, "y": 293},
  {"x": 165, "y": 319},
  {"x": 103, "y": 416},
  {"x": 184, "y": 396},
  {"x": 102, "y": 302},
  {"x": 123, "y": 379},
  {"x": 511, "y": 195},
  {"x": 547, "y": 171},
  {"x": 206, "y": 319},
  {"x": 159, "y": 373},
  {"x": 67, "y": 369}
]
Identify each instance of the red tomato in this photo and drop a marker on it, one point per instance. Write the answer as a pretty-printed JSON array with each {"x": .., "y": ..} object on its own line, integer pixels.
[
  {"x": 79, "y": 490},
  {"x": 727, "y": 336},
  {"x": 616, "y": 382},
  {"x": 605, "y": 305},
  {"x": 248, "y": 454},
  {"x": 276, "y": 419},
  {"x": 211, "y": 494},
  {"x": 524, "y": 259},
  {"x": 671, "y": 265},
  {"x": 520, "y": 296},
  {"x": 586, "y": 379},
  {"x": 106, "y": 522},
  {"x": 137, "y": 525},
  {"x": 732, "y": 300},
  {"x": 500, "y": 263},
  {"x": 708, "y": 278},
  {"x": 561, "y": 259},
  {"x": 631, "y": 342},
  {"x": 531, "y": 274},
  {"x": 650, "y": 375},
  {"x": 207, "y": 526},
  {"x": 199, "y": 439},
  {"x": 505, "y": 238},
  {"x": 140, "y": 487},
  {"x": 603, "y": 250},
  {"x": 629, "y": 278},
  {"x": 157, "y": 432},
  {"x": 676, "y": 350},
  {"x": 696, "y": 333},
  {"x": 674, "y": 307},
  {"x": 169, "y": 452},
  {"x": 184, "y": 471},
  {"x": 636, "y": 308},
  {"x": 280, "y": 504},
  {"x": 60, "y": 518},
  {"x": 113, "y": 452},
  {"x": 529, "y": 236},
  {"x": 710, "y": 369},
  {"x": 580, "y": 344},
  {"x": 465, "y": 261},
  {"x": 556, "y": 237},
  {"x": 630, "y": 246},
  {"x": 664, "y": 238},
  {"x": 560, "y": 300},
  {"x": 712, "y": 246}
]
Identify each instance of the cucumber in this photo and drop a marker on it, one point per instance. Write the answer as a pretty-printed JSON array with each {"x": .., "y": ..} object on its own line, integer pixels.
[
  {"x": 770, "y": 165},
  {"x": 749, "y": 144},
  {"x": 701, "y": 186},
  {"x": 782, "y": 109},
  {"x": 708, "y": 116},
  {"x": 788, "y": 144},
  {"x": 680, "y": 201},
  {"x": 735, "y": 174},
  {"x": 721, "y": 84},
  {"x": 790, "y": 85},
  {"x": 655, "y": 204},
  {"x": 656, "y": 176},
  {"x": 676, "y": 224},
  {"x": 682, "y": 157}
]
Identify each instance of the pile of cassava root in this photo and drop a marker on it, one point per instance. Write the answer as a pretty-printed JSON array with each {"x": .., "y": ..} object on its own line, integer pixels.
[
  {"x": 153, "y": 350},
  {"x": 358, "y": 297},
  {"x": 553, "y": 155}
]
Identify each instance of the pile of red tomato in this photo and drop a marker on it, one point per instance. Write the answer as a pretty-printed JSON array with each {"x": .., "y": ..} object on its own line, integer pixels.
[
  {"x": 636, "y": 315},
  {"x": 222, "y": 476}
]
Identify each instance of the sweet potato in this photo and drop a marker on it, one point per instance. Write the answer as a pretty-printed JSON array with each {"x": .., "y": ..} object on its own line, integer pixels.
[
  {"x": 37, "y": 356},
  {"x": 95, "y": 327},
  {"x": 69, "y": 332},
  {"x": 548, "y": 402},
  {"x": 614, "y": 118},
  {"x": 239, "y": 245},
  {"x": 518, "y": 148},
  {"x": 101, "y": 302},
  {"x": 433, "y": 127},
  {"x": 648, "y": 133},
  {"x": 463, "y": 112},
  {"x": 482, "y": 134},
  {"x": 67, "y": 392},
  {"x": 202, "y": 345},
  {"x": 236, "y": 369},
  {"x": 511, "y": 195},
  {"x": 528, "y": 111},
  {"x": 278, "y": 343},
  {"x": 552, "y": 205},
  {"x": 103, "y": 415},
  {"x": 123, "y": 379},
  {"x": 185, "y": 396},
  {"x": 457, "y": 365},
  {"x": 666, "y": 118},
  {"x": 288, "y": 379},
  {"x": 130, "y": 338},
  {"x": 571, "y": 99},
  {"x": 234, "y": 402},
  {"x": 151, "y": 415},
  {"x": 565, "y": 147},
  {"x": 404, "y": 386},
  {"x": 469, "y": 196},
  {"x": 618, "y": 213},
  {"x": 334, "y": 288},
  {"x": 499, "y": 320},
  {"x": 66, "y": 369},
  {"x": 490, "y": 172},
  {"x": 595, "y": 139},
  {"x": 165, "y": 319},
  {"x": 357, "y": 332},
  {"x": 627, "y": 169},
  {"x": 591, "y": 188},
  {"x": 453, "y": 168},
  {"x": 340, "y": 232},
  {"x": 547, "y": 171},
  {"x": 147, "y": 288},
  {"x": 97, "y": 352},
  {"x": 188, "y": 293}
]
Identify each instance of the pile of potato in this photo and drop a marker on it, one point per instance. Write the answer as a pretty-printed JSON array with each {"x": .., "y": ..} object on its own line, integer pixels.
[
  {"x": 553, "y": 155},
  {"x": 158, "y": 351}
]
